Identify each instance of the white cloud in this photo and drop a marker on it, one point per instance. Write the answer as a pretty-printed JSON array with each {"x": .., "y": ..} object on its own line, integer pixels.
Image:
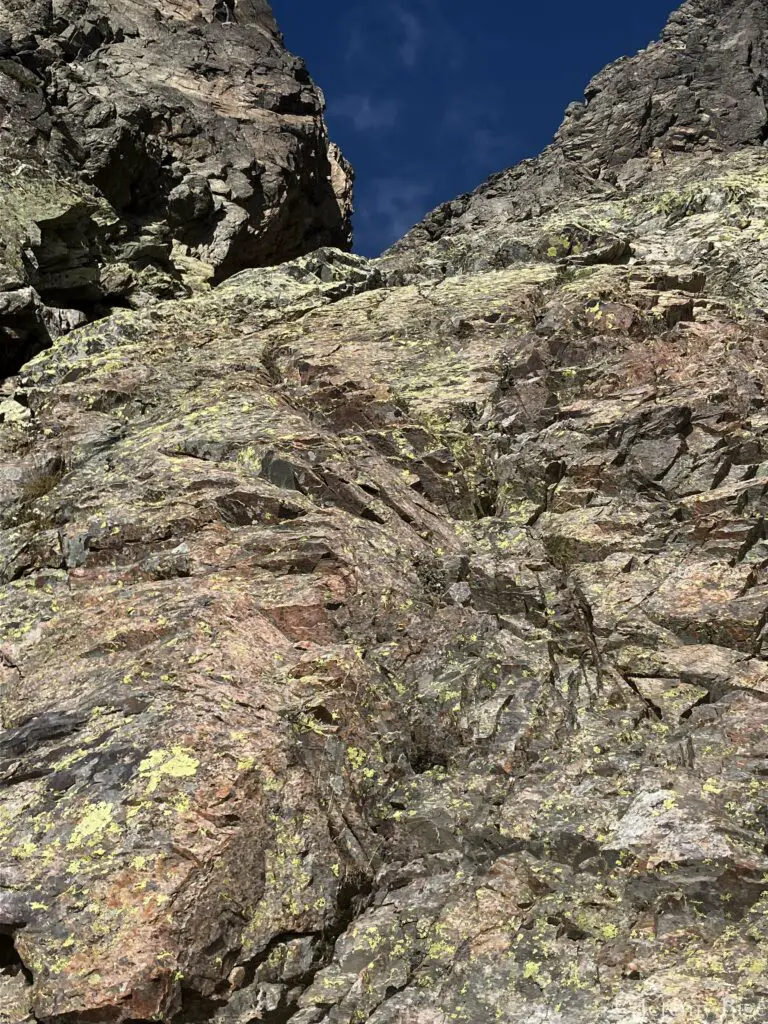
[
  {"x": 391, "y": 206},
  {"x": 413, "y": 36},
  {"x": 488, "y": 148},
  {"x": 378, "y": 33},
  {"x": 356, "y": 44},
  {"x": 478, "y": 127},
  {"x": 364, "y": 113}
]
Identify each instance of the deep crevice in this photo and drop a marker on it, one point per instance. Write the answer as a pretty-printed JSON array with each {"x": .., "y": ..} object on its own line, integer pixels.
[{"x": 10, "y": 958}]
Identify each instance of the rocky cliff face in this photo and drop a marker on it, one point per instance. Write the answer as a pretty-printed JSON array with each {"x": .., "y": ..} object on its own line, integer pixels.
[
  {"x": 671, "y": 132},
  {"x": 147, "y": 150},
  {"x": 385, "y": 642}
]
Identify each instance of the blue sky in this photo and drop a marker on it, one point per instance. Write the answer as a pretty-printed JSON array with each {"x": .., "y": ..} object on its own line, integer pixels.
[{"x": 429, "y": 97}]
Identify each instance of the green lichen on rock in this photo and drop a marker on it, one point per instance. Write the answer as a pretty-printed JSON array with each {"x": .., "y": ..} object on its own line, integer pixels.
[
  {"x": 176, "y": 763},
  {"x": 384, "y": 641}
]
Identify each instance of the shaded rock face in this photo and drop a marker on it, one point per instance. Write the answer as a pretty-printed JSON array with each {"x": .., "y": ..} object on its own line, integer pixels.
[
  {"x": 148, "y": 149},
  {"x": 385, "y": 641}
]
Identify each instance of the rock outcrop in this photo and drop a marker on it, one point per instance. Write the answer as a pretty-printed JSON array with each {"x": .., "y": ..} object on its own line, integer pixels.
[
  {"x": 681, "y": 121},
  {"x": 386, "y": 641},
  {"x": 147, "y": 150}
]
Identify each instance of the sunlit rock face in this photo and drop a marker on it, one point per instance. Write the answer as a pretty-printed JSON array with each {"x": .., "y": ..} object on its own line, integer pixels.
[
  {"x": 385, "y": 641},
  {"x": 690, "y": 108}
]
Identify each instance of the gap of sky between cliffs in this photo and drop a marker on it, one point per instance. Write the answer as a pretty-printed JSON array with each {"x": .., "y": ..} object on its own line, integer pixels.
[{"x": 429, "y": 97}]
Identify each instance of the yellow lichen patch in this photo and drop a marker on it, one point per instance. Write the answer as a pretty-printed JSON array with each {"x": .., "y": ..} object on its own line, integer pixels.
[
  {"x": 24, "y": 850},
  {"x": 96, "y": 822},
  {"x": 356, "y": 757},
  {"x": 176, "y": 763}
]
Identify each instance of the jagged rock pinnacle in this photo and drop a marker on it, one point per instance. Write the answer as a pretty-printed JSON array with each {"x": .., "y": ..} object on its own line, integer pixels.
[
  {"x": 696, "y": 95},
  {"x": 148, "y": 149}
]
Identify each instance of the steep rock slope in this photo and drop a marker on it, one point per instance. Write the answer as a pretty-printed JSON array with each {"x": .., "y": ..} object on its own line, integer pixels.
[
  {"x": 385, "y": 642},
  {"x": 685, "y": 118},
  {"x": 147, "y": 149}
]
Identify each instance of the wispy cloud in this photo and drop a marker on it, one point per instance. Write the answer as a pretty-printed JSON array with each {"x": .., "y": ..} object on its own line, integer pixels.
[
  {"x": 365, "y": 113},
  {"x": 389, "y": 207},
  {"x": 413, "y": 36},
  {"x": 491, "y": 149},
  {"x": 478, "y": 126},
  {"x": 356, "y": 46}
]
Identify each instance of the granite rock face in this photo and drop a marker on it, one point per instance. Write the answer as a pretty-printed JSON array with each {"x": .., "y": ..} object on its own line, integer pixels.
[
  {"x": 386, "y": 641},
  {"x": 148, "y": 149},
  {"x": 665, "y": 119}
]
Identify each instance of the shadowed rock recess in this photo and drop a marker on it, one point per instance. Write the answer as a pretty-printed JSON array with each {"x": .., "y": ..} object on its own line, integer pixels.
[
  {"x": 149, "y": 148},
  {"x": 379, "y": 641}
]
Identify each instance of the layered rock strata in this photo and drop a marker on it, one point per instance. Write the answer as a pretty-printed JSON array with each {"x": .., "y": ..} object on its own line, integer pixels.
[
  {"x": 385, "y": 641},
  {"x": 147, "y": 150}
]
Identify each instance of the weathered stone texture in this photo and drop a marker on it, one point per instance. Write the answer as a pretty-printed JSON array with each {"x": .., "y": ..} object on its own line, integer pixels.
[
  {"x": 386, "y": 641},
  {"x": 148, "y": 149}
]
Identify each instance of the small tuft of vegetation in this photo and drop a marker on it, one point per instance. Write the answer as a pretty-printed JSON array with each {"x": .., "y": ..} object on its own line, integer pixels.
[
  {"x": 269, "y": 360},
  {"x": 41, "y": 480}
]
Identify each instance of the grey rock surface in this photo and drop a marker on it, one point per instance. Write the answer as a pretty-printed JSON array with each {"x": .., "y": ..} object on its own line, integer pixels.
[
  {"x": 664, "y": 120},
  {"x": 386, "y": 642},
  {"x": 149, "y": 149}
]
